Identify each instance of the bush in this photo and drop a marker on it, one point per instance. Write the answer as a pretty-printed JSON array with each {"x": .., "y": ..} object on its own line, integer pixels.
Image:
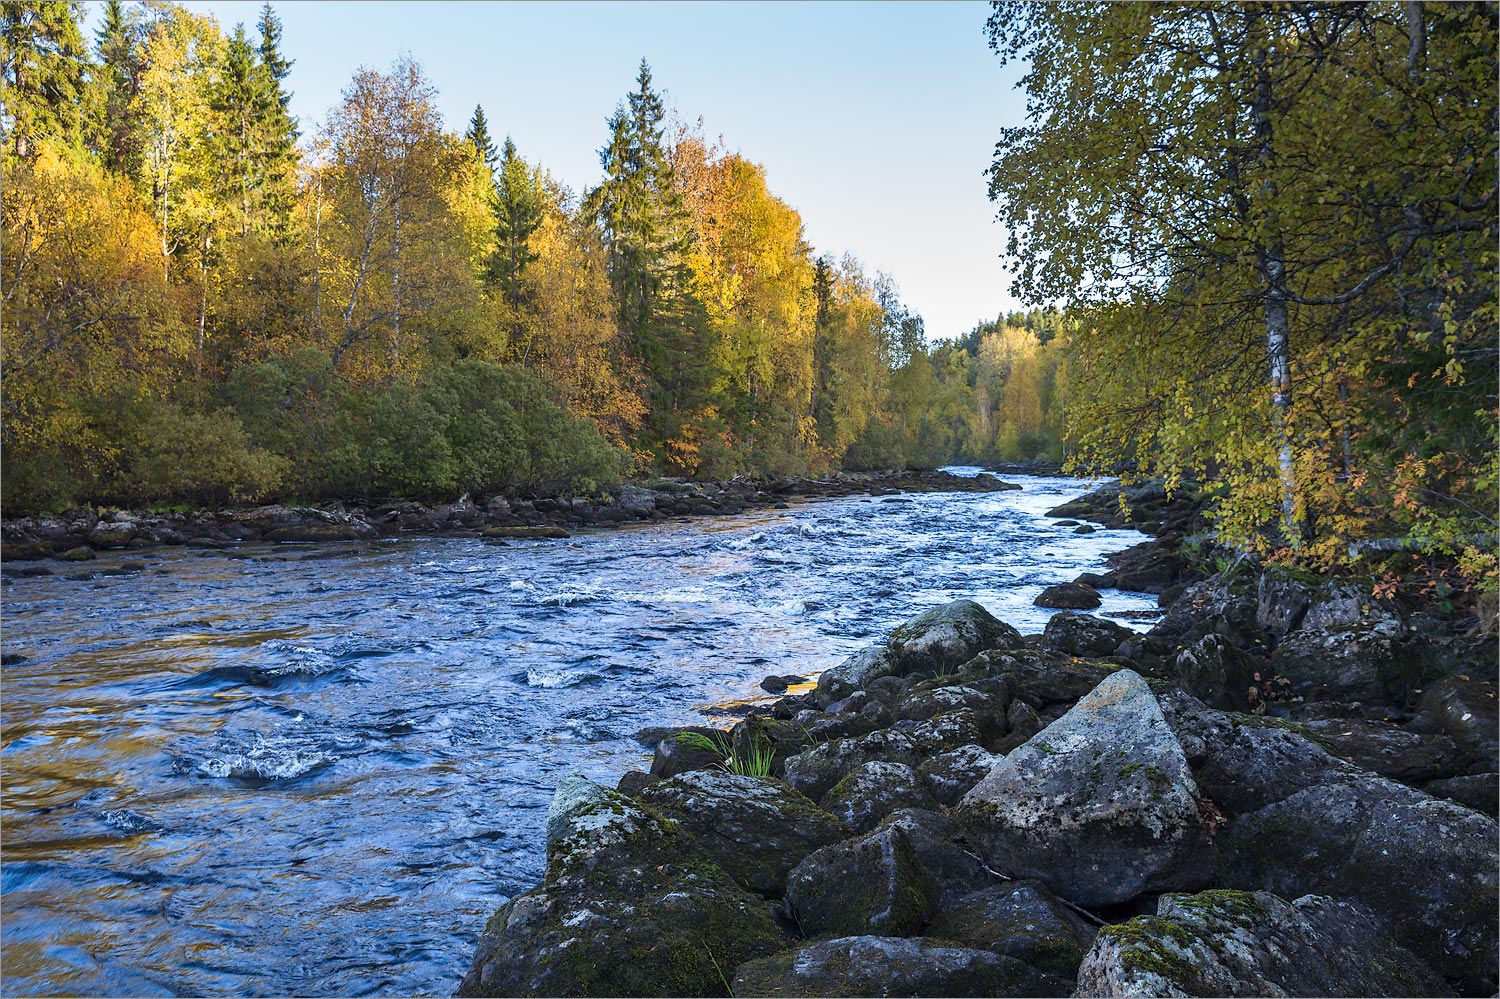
[
  {"x": 880, "y": 446},
  {"x": 197, "y": 458}
]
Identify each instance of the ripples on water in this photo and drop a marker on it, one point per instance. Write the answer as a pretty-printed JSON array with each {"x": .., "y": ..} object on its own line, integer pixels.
[{"x": 316, "y": 770}]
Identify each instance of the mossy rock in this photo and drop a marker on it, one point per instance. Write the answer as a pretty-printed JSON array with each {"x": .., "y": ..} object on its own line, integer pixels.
[
  {"x": 629, "y": 907},
  {"x": 1232, "y": 943},
  {"x": 949, "y": 636},
  {"x": 1020, "y": 919},
  {"x": 80, "y": 554},
  {"x": 874, "y": 884}
]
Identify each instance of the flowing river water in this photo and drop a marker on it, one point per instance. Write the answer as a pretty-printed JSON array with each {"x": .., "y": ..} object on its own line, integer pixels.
[{"x": 317, "y": 769}]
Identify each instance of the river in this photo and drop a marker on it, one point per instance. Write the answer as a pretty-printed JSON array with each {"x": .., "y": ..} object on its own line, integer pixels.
[{"x": 317, "y": 769}]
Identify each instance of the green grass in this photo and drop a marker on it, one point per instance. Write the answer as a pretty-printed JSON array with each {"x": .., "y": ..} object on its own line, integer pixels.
[{"x": 756, "y": 764}]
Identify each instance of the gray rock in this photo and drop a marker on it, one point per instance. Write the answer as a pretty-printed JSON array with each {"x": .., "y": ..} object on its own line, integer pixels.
[
  {"x": 1084, "y": 635},
  {"x": 940, "y": 850},
  {"x": 949, "y": 636},
  {"x": 1281, "y": 603},
  {"x": 872, "y": 791},
  {"x": 1227, "y": 943},
  {"x": 1069, "y": 596},
  {"x": 757, "y": 829},
  {"x": 1388, "y": 750},
  {"x": 1464, "y": 709},
  {"x": 1367, "y": 664},
  {"x": 814, "y": 771},
  {"x": 1020, "y": 919},
  {"x": 1480, "y": 792},
  {"x": 1021, "y": 723},
  {"x": 891, "y": 966},
  {"x": 1100, "y": 805},
  {"x": 874, "y": 884},
  {"x": 675, "y": 756},
  {"x": 855, "y": 673},
  {"x": 1425, "y": 867},
  {"x": 628, "y": 908},
  {"x": 952, "y": 775},
  {"x": 947, "y": 731},
  {"x": 920, "y": 704},
  {"x": 1215, "y": 671}
]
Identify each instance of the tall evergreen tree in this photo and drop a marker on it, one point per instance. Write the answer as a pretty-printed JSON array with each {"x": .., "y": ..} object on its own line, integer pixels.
[
  {"x": 41, "y": 71},
  {"x": 278, "y": 132},
  {"x": 118, "y": 44},
  {"x": 479, "y": 135},
  {"x": 518, "y": 213},
  {"x": 243, "y": 101},
  {"x": 646, "y": 227}
]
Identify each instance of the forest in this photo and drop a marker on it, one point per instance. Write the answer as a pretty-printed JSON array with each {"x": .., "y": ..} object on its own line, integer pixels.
[
  {"x": 1260, "y": 240},
  {"x": 206, "y": 302}
]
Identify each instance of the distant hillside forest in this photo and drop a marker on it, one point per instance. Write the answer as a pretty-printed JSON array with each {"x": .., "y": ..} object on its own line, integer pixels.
[{"x": 205, "y": 304}]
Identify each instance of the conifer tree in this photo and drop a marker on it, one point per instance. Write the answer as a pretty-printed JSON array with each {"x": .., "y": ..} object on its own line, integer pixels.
[
  {"x": 117, "y": 82},
  {"x": 518, "y": 213},
  {"x": 479, "y": 135},
  {"x": 42, "y": 76}
]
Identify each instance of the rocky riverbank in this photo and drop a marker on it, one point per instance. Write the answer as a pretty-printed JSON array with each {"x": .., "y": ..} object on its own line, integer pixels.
[
  {"x": 77, "y": 536},
  {"x": 1287, "y": 787}
]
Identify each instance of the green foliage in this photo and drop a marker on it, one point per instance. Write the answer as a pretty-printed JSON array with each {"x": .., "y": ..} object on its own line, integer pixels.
[
  {"x": 1265, "y": 224},
  {"x": 756, "y": 764},
  {"x": 205, "y": 459}
]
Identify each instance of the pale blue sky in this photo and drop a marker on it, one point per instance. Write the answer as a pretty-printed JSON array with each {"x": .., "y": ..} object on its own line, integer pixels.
[{"x": 874, "y": 120}]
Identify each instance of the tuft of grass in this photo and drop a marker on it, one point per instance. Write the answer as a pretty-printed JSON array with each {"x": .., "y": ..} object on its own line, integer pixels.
[{"x": 757, "y": 764}]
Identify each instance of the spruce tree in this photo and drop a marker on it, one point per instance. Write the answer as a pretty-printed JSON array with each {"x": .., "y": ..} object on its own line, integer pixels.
[
  {"x": 42, "y": 73},
  {"x": 479, "y": 135},
  {"x": 518, "y": 213},
  {"x": 646, "y": 229},
  {"x": 278, "y": 133},
  {"x": 117, "y": 81}
]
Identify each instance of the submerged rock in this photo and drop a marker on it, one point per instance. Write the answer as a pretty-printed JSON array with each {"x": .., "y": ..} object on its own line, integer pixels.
[
  {"x": 1100, "y": 806},
  {"x": 892, "y": 966},
  {"x": 1228, "y": 943}
]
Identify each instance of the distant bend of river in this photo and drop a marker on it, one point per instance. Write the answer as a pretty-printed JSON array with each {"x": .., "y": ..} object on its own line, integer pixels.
[{"x": 317, "y": 770}]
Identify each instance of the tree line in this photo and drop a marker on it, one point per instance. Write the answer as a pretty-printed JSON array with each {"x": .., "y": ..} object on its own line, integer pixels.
[{"x": 206, "y": 303}]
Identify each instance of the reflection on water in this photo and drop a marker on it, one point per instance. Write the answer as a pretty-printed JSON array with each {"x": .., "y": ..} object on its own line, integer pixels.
[{"x": 286, "y": 770}]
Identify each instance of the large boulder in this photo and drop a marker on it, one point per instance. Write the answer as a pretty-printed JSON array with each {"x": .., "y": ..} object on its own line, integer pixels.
[
  {"x": 629, "y": 907},
  {"x": 855, "y": 673},
  {"x": 891, "y": 966},
  {"x": 949, "y": 636},
  {"x": 1388, "y": 750},
  {"x": 1228, "y": 943},
  {"x": 953, "y": 774},
  {"x": 756, "y": 828},
  {"x": 1069, "y": 596},
  {"x": 874, "y": 884},
  {"x": 1100, "y": 805},
  {"x": 1020, "y": 919},
  {"x": 1372, "y": 662},
  {"x": 955, "y": 871},
  {"x": 1217, "y": 672},
  {"x": 1427, "y": 868}
]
